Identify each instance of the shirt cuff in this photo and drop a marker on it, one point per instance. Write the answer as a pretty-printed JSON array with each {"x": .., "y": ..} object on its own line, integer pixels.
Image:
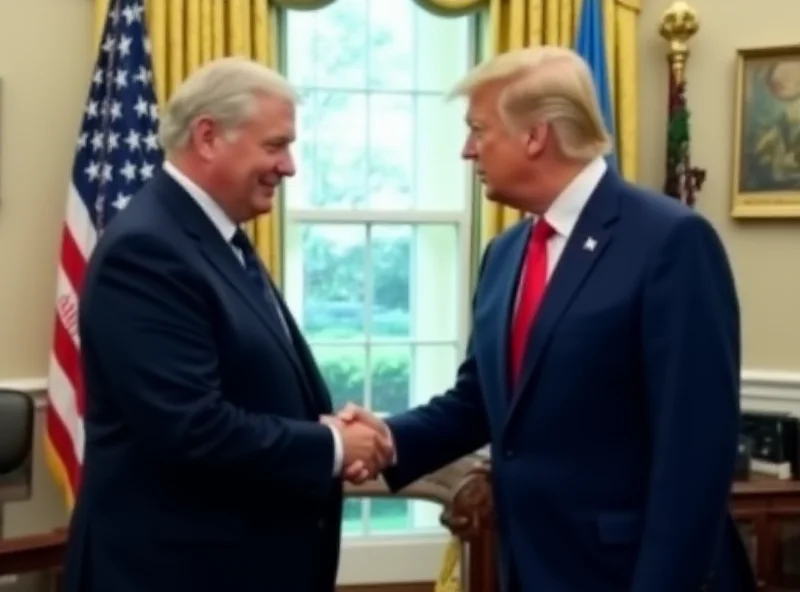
[{"x": 338, "y": 451}]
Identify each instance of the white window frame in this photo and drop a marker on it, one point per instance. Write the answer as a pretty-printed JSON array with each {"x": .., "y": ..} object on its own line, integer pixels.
[{"x": 381, "y": 558}]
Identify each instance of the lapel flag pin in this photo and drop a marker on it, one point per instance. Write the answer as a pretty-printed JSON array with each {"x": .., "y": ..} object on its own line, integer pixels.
[{"x": 590, "y": 244}]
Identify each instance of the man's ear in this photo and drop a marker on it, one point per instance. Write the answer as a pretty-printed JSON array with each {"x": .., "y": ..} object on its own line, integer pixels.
[
  {"x": 204, "y": 136},
  {"x": 536, "y": 139}
]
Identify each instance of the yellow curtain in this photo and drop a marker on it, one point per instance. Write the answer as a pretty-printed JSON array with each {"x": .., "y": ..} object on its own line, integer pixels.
[
  {"x": 523, "y": 23},
  {"x": 188, "y": 33}
]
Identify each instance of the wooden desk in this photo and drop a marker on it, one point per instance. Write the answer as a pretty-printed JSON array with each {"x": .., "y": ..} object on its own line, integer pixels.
[{"x": 768, "y": 514}]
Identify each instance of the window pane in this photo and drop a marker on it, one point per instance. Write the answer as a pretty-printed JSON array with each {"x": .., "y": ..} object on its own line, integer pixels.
[
  {"x": 343, "y": 368},
  {"x": 300, "y": 35},
  {"x": 435, "y": 281},
  {"x": 437, "y": 66},
  {"x": 390, "y": 378},
  {"x": 353, "y": 517},
  {"x": 327, "y": 268},
  {"x": 340, "y": 160},
  {"x": 391, "y": 45},
  {"x": 389, "y": 516},
  {"x": 434, "y": 371},
  {"x": 301, "y": 188},
  {"x": 391, "y": 151},
  {"x": 390, "y": 266},
  {"x": 424, "y": 517},
  {"x": 327, "y": 47},
  {"x": 443, "y": 179}
]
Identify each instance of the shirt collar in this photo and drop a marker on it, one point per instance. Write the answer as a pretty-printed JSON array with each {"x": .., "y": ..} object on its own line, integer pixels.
[
  {"x": 210, "y": 207},
  {"x": 564, "y": 212}
]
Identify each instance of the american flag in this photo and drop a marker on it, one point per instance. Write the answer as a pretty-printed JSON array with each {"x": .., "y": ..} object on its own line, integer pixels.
[{"x": 117, "y": 151}]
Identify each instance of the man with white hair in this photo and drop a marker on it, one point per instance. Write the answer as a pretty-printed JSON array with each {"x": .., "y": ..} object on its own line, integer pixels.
[
  {"x": 207, "y": 467},
  {"x": 603, "y": 366}
]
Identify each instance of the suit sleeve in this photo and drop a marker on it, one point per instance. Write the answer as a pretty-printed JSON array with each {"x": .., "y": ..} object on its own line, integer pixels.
[
  {"x": 147, "y": 323},
  {"x": 448, "y": 427},
  {"x": 691, "y": 340}
]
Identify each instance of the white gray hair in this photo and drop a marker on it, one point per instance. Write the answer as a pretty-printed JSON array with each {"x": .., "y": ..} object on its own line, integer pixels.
[
  {"x": 546, "y": 84},
  {"x": 225, "y": 90}
]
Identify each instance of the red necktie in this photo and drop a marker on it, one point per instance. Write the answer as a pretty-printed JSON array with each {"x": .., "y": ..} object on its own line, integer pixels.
[{"x": 532, "y": 284}]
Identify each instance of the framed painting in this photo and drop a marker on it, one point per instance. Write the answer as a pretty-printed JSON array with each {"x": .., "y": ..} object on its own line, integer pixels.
[{"x": 766, "y": 159}]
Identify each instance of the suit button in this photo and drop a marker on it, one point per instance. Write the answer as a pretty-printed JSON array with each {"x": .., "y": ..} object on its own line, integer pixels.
[
  {"x": 509, "y": 453},
  {"x": 321, "y": 523}
]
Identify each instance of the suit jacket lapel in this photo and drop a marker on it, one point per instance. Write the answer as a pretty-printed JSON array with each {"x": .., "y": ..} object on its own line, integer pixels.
[
  {"x": 221, "y": 256},
  {"x": 590, "y": 237}
]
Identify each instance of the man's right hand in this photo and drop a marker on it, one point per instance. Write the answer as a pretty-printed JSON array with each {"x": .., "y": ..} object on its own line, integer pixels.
[
  {"x": 362, "y": 443},
  {"x": 365, "y": 449}
]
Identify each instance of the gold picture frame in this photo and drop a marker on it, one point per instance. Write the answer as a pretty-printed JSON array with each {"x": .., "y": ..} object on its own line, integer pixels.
[{"x": 766, "y": 146}]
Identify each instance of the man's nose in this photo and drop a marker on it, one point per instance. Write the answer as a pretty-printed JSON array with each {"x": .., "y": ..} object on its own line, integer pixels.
[
  {"x": 468, "y": 150},
  {"x": 287, "y": 167}
]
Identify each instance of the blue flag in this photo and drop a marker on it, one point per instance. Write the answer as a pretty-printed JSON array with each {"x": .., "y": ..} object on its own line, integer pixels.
[
  {"x": 591, "y": 45},
  {"x": 118, "y": 149}
]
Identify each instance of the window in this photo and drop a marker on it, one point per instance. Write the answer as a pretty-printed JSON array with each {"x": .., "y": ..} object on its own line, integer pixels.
[{"x": 378, "y": 218}]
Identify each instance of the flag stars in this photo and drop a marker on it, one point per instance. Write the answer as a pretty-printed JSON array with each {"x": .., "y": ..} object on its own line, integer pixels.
[
  {"x": 109, "y": 44},
  {"x": 143, "y": 76},
  {"x": 97, "y": 141},
  {"x": 113, "y": 141},
  {"x": 116, "y": 110},
  {"x": 121, "y": 201},
  {"x": 132, "y": 140},
  {"x": 131, "y": 14},
  {"x": 121, "y": 78},
  {"x": 124, "y": 46},
  {"x": 146, "y": 171},
  {"x": 91, "y": 109},
  {"x": 141, "y": 107},
  {"x": 128, "y": 171},
  {"x": 92, "y": 170},
  {"x": 118, "y": 146},
  {"x": 151, "y": 141}
]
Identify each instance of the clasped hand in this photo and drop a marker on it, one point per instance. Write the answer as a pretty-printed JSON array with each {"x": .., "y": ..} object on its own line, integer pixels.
[{"x": 366, "y": 442}]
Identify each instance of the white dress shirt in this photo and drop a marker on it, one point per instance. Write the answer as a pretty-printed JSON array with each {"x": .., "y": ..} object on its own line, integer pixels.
[
  {"x": 227, "y": 228},
  {"x": 563, "y": 214}
]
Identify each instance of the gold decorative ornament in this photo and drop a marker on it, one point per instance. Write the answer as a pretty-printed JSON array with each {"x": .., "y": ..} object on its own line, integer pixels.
[{"x": 678, "y": 25}]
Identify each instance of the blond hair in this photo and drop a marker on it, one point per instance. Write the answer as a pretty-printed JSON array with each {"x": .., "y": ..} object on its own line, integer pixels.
[
  {"x": 546, "y": 84},
  {"x": 225, "y": 90}
]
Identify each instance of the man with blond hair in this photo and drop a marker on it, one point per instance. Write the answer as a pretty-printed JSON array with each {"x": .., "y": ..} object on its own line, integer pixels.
[
  {"x": 603, "y": 366},
  {"x": 207, "y": 468}
]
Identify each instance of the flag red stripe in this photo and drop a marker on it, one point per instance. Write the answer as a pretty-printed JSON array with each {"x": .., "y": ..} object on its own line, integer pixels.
[
  {"x": 72, "y": 261},
  {"x": 69, "y": 357}
]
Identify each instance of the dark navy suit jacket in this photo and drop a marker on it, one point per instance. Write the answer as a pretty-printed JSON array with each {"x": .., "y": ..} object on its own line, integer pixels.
[
  {"x": 205, "y": 468},
  {"x": 613, "y": 460}
]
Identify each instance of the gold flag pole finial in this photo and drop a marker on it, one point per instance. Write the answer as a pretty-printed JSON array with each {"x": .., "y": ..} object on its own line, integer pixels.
[{"x": 678, "y": 24}]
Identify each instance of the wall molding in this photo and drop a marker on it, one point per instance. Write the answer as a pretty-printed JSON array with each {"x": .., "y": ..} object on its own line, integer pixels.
[
  {"x": 771, "y": 385},
  {"x": 33, "y": 386},
  {"x": 757, "y": 384}
]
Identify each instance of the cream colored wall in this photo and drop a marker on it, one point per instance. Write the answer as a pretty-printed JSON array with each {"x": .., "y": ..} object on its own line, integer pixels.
[
  {"x": 764, "y": 254},
  {"x": 45, "y": 60}
]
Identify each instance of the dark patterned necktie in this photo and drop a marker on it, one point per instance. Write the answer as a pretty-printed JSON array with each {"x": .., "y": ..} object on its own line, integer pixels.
[{"x": 252, "y": 267}]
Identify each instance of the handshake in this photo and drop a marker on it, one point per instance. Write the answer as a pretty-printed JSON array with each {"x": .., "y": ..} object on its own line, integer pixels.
[{"x": 367, "y": 445}]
